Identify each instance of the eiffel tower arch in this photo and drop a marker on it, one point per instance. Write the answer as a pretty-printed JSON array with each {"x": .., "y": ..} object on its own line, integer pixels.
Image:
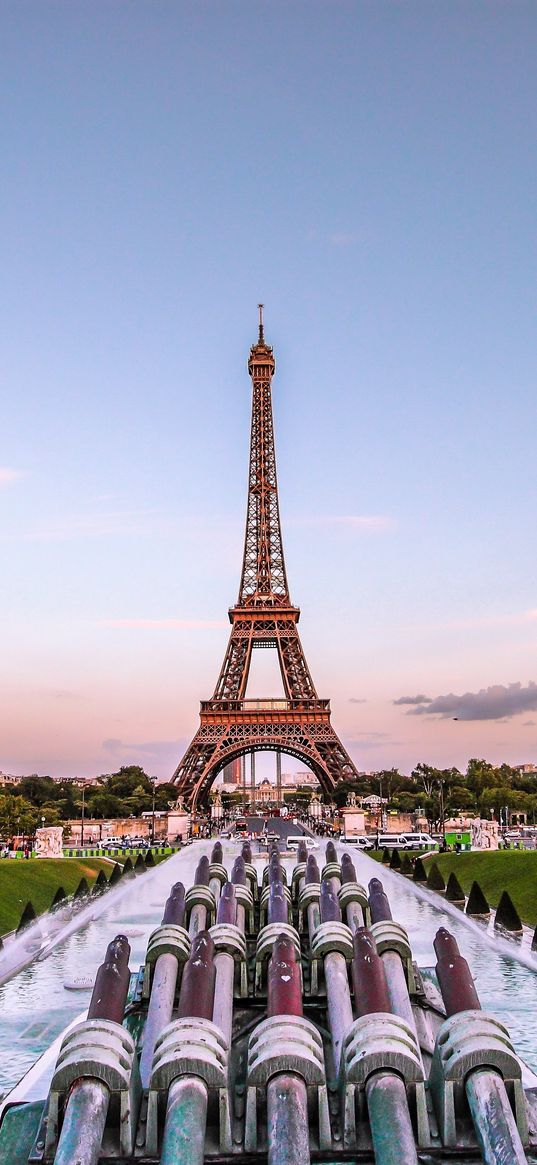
[{"x": 263, "y": 617}]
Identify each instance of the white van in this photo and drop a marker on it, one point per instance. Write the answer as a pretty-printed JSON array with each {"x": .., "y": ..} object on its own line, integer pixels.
[
  {"x": 358, "y": 842},
  {"x": 419, "y": 841},
  {"x": 292, "y": 842},
  {"x": 392, "y": 841}
]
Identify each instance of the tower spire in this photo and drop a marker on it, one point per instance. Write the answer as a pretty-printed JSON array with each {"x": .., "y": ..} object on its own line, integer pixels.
[{"x": 261, "y": 329}]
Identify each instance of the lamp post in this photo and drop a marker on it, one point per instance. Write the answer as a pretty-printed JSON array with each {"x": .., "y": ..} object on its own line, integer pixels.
[
  {"x": 379, "y": 814},
  {"x": 82, "y": 818},
  {"x": 153, "y": 783},
  {"x": 442, "y": 814}
]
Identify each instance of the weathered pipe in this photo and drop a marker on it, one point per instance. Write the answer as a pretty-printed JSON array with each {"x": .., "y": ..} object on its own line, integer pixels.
[
  {"x": 493, "y": 1120},
  {"x": 217, "y": 853},
  {"x": 284, "y": 983},
  {"x": 354, "y": 912},
  {"x": 302, "y": 852},
  {"x": 312, "y": 871},
  {"x": 330, "y": 908},
  {"x": 313, "y": 878},
  {"x": 389, "y": 1120},
  {"x": 246, "y": 852},
  {"x": 387, "y": 1104},
  {"x": 174, "y": 910},
  {"x": 274, "y": 848},
  {"x": 238, "y": 878},
  {"x": 238, "y": 873},
  {"x": 287, "y": 1107},
  {"x": 111, "y": 982},
  {"x": 331, "y": 854},
  {"x": 275, "y": 869},
  {"x": 454, "y": 975},
  {"x": 227, "y": 906},
  {"x": 183, "y": 1141},
  {"x": 197, "y": 986},
  {"x": 277, "y": 910},
  {"x": 369, "y": 980},
  {"x": 160, "y": 1009},
  {"x": 201, "y": 877},
  {"x": 348, "y": 872},
  {"x": 393, "y": 966},
  {"x": 225, "y": 967},
  {"x": 378, "y": 901},
  {"x": 87, "y": 1107}
]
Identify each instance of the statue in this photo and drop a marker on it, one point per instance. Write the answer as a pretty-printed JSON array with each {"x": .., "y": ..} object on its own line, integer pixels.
[
  {"x": 351, "y": 799},
  {"x": 48, "y": 842}
]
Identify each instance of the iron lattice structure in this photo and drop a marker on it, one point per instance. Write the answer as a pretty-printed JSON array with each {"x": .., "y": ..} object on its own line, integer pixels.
[{"x": 264, "y": 617}]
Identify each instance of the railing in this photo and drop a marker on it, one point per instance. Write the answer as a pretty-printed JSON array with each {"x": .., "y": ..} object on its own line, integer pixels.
[{"x": 265, "y": 705}]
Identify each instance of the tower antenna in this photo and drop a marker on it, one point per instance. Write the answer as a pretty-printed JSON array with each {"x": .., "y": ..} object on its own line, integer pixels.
[{"x": 261, "y": 331}]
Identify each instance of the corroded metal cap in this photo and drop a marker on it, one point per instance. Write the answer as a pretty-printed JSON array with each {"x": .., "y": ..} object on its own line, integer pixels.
[
  {"x": 174, "y": 910},
  {"x": 284, "y": 984},
  {"x": 197, "y": 985},
  {"x": 111, "y": 982}
]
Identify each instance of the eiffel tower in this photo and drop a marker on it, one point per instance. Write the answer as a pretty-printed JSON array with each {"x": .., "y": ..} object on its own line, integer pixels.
[{"x": 264, "y": 617}]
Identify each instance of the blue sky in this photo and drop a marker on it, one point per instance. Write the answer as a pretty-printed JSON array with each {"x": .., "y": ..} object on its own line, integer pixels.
[{"x": 368, "y": 170}]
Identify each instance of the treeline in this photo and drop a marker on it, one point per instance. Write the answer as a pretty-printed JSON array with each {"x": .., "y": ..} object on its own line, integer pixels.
[
  {"x": 482, "y": 789},
  {"x": 122, "y": 794}
]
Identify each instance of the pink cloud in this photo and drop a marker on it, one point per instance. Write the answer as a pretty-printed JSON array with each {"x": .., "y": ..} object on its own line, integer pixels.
[{"x": 165, "y": 624}]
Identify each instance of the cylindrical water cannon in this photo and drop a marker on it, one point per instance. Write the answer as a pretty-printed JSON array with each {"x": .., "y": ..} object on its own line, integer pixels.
[
  {"x": 387, "y": 1103},
  {"x": 394, "y": 948},
  {"x": 167, "y": 950},
  {"x": 473, "y": 1049},
  {"x": 201, "y": 898},
  {"x": 183, "y": 1141},
  {"x": 87, "y": 1105},
  {"x": 287, "y": 1102}
]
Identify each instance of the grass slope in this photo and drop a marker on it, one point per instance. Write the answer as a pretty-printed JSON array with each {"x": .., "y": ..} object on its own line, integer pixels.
[
  {"x": 38, "y": 880},
  {"x": 511, "y": 870}
]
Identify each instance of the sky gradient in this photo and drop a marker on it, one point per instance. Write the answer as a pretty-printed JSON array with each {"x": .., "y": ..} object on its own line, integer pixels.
[{"x": 368, "y": 170}]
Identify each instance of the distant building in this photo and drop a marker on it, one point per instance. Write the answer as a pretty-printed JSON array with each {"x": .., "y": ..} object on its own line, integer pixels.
[{"x": 527, "y": 770}]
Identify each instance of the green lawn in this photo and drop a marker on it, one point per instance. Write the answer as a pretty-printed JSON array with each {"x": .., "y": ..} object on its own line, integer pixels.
[
  {"x": 38, "y": 880},
  {"x": 511, "y": 870}
]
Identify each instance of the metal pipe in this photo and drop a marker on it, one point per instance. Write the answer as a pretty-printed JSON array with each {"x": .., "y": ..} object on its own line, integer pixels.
[
  {"x": 277, "y": 910},
  {"x": 389, "y": 1120},
  {"x": 87, "y": 1106},
  {"x": 163, "y": 986},
  {"x": 183, "y": 1142},
  {"x": 84, "y": 1124},
  {"x": 159, "y": 1012},
  {"x": 493, "y": 1120},
  {"x": 393, "y": 966},
  {"x": 287, "y": 1120},
  {"x": 354, "y": 912},
  {"x": 198, "y": 914},
  {"x": 494, "y": 1123},
  {"x": 225, "y": 967},
  {"x": 398, "y": 987},
  {"x": 339, "y": 1001},
  {"x": 287, "y": 1104},
  {"x": 238, "y": 878},
  {"x": 313, "y": 877}
]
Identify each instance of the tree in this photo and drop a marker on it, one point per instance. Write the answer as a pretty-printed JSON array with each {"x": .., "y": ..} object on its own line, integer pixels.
[{"x": 17, "y": 815}]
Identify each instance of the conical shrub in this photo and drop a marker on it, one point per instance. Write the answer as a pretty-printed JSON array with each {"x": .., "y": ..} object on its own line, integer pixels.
[
  {"x": 534, "y": 940},
  {"x": 116, "y": 875},
  {"x": 477, "y": 905},
  {"x": 27, "y": 917},
  {"x": 406, "y": 866},
  {"x": 149, "y": 859},
  {"x": 100, "y": 884},
  {"x": 139, "y": 865},
  {"x": 435, "y": 880},
  {"x": 128, "y": 869},
  {"x": 454, "y": 891},
  {"x": 386, "y": 856},
  {"x": 507, "y": 916},
  {"x": 395, "y": 860},
  {"x": 81, "y": 891},
  {"x": 420, "y": 873},
  {"x": 59, "y": 900}
]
